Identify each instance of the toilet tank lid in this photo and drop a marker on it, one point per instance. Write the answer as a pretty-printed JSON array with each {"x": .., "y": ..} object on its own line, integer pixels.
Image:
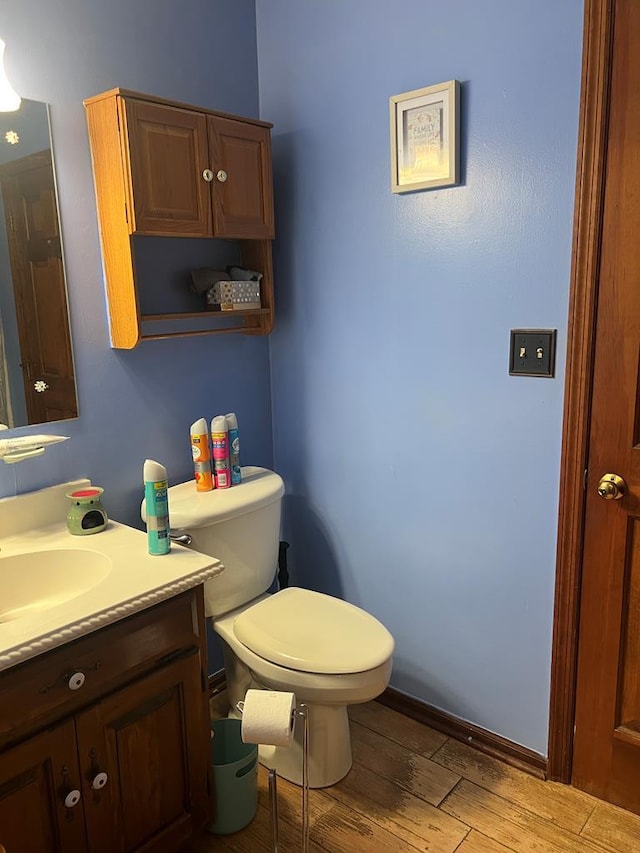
[
  {"x": 189, "y": 509},
  {"x": 312, "y": 632}
]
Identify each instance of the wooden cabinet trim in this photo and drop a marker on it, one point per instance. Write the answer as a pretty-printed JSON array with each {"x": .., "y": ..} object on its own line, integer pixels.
[
  {"x": 113, "y": 200},
  {"x": 141, "y": 96}
]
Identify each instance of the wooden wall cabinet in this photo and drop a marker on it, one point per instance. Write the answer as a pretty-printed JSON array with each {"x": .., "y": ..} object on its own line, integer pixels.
[
  {"x": 124, "y": 766},
  {"x": 166, "y": 169}
]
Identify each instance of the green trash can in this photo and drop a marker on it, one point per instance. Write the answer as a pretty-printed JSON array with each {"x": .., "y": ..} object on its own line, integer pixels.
[{"x": 235, "y": 771}]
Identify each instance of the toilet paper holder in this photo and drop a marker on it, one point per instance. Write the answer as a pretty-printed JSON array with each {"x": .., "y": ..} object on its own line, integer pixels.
[
  {"x": 273, "y": 800},
  {"x": 299, "y": 712}
]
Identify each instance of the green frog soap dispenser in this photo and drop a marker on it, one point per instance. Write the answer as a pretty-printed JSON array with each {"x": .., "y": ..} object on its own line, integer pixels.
[{"x": 87, "y": 515}]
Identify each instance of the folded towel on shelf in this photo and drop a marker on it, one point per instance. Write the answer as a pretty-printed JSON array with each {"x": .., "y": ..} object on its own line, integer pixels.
[
  {"x": 203, "y": 278},
  {"x": 242, "y": 274}
]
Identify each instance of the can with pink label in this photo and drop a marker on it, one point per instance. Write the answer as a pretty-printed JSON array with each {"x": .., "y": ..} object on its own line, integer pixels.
[{"x": 220, "y": 446}]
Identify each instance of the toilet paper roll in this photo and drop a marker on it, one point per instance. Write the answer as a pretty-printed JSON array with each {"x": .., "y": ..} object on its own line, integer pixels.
[{"x": 267, "y": 717}]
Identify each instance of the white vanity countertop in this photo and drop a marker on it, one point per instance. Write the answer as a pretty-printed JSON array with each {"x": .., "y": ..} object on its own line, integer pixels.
[{"x": 135, "y": 582}]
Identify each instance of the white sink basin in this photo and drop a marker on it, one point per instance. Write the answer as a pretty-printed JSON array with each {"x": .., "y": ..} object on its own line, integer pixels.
[
  {"x": 38, "y": 580},
  {"x": 55, "y": 587}
]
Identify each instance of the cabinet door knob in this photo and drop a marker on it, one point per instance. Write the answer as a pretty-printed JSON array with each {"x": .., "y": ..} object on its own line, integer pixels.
[
  {"x": 207, "y": 175},
  {"x": 72, "y": 799},
  {"x": 76, "y": 681},
  {"x": 221, "y": 175},
  {"x": 99, "y": 781}
]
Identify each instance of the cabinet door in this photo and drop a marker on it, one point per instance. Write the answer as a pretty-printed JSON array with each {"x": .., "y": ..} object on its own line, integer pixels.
[
  {"x": 167, "y": 151},
  {"x": 242, "y": 189},
  {"x": 144, "y": 758},
  {"x": 35, "y": 779}
]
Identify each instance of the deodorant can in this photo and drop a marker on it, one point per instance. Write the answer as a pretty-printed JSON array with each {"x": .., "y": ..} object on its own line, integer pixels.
[
  {"x": 156, "y": 507},
  {"x": 220, "y": 445},
  {"x": 201, "y": 456},
  {"x": 234, "y": 448}
]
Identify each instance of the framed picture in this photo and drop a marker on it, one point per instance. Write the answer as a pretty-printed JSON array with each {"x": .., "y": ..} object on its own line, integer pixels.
[{"x": 425, "y": 138}]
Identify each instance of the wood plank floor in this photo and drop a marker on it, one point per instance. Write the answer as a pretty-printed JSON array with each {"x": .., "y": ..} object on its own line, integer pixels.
[{"x": 412, "y": 788}]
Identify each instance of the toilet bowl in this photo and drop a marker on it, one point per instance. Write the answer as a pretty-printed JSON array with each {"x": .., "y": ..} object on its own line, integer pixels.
[{"x": 328, "y": 652}]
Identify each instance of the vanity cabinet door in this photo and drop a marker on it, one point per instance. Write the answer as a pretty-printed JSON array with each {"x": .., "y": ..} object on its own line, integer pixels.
[
  {"x": 40, "y": 795},
  {"x": 144, "y": 758},
  {"x": 240, "y": 155},
  {"x": 167, "y": 152}
]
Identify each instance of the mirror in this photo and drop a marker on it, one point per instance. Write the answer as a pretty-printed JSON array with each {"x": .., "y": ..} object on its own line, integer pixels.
[{"x": 37, "y": 382}]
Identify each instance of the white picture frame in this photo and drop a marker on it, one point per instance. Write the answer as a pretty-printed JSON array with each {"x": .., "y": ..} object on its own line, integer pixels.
[{"x": 425, "y": 138}]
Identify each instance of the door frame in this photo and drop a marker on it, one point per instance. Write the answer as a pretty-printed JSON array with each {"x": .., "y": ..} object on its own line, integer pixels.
[{"x": 583, "y": 299}]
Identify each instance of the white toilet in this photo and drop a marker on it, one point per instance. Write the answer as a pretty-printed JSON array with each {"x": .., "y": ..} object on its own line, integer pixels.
[{"x": 329, "y": 653}]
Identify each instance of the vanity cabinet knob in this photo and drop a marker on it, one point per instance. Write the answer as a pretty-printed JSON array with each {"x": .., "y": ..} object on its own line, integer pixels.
[
  {"x": 207, "y": 175},
  {"x": 222, "y": 176},
  {"x": 99, "y": 781},
  {"x": 76, "y": 681},
  {"x": 72, "y": 799}
]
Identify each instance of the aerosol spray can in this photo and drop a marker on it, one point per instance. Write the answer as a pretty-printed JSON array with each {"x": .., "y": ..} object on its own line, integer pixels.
[
  {"x": 234, "y": 448},
  {"x": 201, "y": 456},
  {"x": 220, "y": 444},
  {"x": 156, "y": 507}
]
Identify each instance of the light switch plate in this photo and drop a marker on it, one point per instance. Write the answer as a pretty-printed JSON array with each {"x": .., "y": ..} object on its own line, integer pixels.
[{"x": 533, "y": 352}]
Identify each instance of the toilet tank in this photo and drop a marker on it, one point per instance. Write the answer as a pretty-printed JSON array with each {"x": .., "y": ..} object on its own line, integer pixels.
[{"x": 239, "y": 526}]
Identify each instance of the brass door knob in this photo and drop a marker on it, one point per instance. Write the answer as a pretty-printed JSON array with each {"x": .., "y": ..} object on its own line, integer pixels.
[{"x": 611, "y": 487}]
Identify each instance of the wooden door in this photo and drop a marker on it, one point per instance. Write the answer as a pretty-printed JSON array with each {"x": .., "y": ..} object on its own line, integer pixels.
[
  {"x": 35, "y": 779},
  {"x": 167, "y": 153},
  {"x": 35, "y": 253},
  {"x": 240, "y": 155},
  {"x": 606, "y": 758},
  {"x": 144, "y": 756}
]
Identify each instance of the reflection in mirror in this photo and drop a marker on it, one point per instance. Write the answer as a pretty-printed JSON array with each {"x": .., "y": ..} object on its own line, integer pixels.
[{"x": 37, "y": 382}]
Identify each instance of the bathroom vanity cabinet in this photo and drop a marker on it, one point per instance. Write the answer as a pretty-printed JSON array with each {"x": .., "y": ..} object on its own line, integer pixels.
[
  {"x": 167, "y": 169},
  {"x": 104, "y": 742}
]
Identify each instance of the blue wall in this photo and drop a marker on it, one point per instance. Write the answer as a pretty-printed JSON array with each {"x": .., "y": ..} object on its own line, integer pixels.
[
  {"x": 422, "y": 479},
  {"x": 139, "y": 403}
]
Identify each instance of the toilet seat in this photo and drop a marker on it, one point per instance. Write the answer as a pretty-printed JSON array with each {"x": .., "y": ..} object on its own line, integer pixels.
[{"x": 310, "y": 632}]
